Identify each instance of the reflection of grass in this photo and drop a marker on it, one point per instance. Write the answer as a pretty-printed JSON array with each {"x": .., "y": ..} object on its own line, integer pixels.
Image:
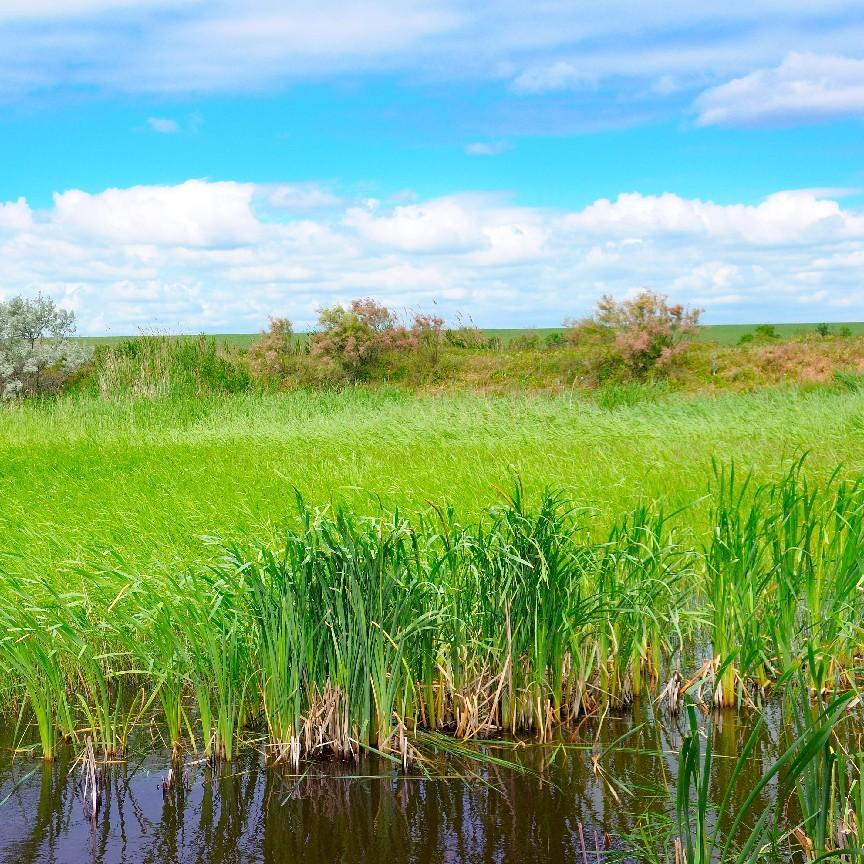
[
  {"x": 16, "y": 786},
  {"x": 741, "y": 815}
]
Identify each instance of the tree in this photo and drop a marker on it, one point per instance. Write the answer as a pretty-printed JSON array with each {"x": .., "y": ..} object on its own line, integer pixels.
[{"x": 37, "y": 354}]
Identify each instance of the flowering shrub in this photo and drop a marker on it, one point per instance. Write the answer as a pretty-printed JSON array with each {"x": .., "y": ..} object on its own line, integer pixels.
[
  {"x": 642, "y": 335},
  {"x": 426, "y": 338},
  {"x": 270, "y": 354},
  {"x": 351, "y": 341},
  {"x": 37, "y": 354}
]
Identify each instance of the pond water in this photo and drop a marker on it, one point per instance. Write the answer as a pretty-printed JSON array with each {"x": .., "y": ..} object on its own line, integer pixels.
[{"x": 466, "y": 811}]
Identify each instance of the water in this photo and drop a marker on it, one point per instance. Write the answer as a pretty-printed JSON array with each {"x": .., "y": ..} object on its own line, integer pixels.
[{"x": 466, "y": 812}]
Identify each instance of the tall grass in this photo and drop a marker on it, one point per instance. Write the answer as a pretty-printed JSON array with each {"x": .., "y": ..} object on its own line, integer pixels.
[{"x": 348, "y": 632}]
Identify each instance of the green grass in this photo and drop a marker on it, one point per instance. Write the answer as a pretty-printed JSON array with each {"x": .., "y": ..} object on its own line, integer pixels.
[
  {"x": 146, "y": 478},
  {"x": 208, "y": 563},
  {"x": 730, "y": 334},
  {"x": 237, "y": 340}
]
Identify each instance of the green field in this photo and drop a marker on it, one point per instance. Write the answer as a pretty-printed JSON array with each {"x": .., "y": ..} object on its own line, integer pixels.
[
  {"x": 146, "y": 478},
  {"x": 725, "y": 334}
]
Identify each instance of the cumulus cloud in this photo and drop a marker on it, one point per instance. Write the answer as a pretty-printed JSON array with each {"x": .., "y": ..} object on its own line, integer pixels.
[
  {"x": 163, "y": 125},
  {"x": 15, "y": 215},
  {"x": 803, "y": 88},
  {"x": 194, "y": 213},
  {"x": 785, "y": 218},
  {"x": 221, "y": 256},
  {"x": 442, "y": 225}
]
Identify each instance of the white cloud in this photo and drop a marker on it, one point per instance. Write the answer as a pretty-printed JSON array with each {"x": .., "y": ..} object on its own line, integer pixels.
[
  {"x": 486, "y": 148},
  {"x": 803, "y": 88},
  {"x": 785, "y": 218},
  {"x": 193, "y": 46},
  {"x": 17, "y": 10},
  {"x": 302, "y": 196},
  {"x": 194, "y": 213},
  {"x": 220, "y": 256},
  {"x": 15, "y": 216},
  {"x": 163, "y": 125},
  {"x": 560, "y": 75},
  {"x": 444, "y": 224}
]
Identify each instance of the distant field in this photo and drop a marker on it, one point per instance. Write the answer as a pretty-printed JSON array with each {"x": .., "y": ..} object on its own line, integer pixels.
[
  {"x": 729, "y": 334},
  {"x": 725, "y": 334}
]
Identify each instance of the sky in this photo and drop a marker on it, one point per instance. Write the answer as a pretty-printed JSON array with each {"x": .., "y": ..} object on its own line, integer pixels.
[{"x": 192, "y": 166}]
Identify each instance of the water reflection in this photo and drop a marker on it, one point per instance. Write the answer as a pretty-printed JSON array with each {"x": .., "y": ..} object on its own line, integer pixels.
[{"x": 364, "y": 812}]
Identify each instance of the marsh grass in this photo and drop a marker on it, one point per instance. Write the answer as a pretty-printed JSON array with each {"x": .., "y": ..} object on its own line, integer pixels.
[
  {"x": 409, "y": 611},
  {"x": 348, "y": 632}
]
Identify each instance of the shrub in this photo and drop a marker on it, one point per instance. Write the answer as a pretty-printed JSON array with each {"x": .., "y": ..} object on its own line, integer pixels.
[
  {"x": 823, "y": 329},
  {"x": 270, "y": 355},
  {"x": 635, "y": 337},
  {"x": 524, "y": 342},
  {"x": 352, "y": 340},
  {"x": 37, "y": 354},
  {"x": 554, "y": 340},
  {"x": 426, "y": 338},
  {"x": 766, "y": 333}
]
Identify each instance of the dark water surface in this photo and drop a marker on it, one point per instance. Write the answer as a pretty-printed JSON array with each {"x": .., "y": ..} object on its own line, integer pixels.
[{"x": 368, "y": 812}]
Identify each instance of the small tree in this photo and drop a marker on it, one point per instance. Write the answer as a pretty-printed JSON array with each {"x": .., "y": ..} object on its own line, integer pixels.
[
  {"x": 37, "y": 354},
  {"x": 649, "y": 333}
]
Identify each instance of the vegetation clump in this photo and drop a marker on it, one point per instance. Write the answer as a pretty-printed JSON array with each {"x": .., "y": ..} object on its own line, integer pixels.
[
  {"x": 635, "y": 338},
  {"x": 271, "y": 355},
  {"x": 351, "y": 633},
  {"x": 156, "y": 366},
  {"x": 37, "y": 353}
]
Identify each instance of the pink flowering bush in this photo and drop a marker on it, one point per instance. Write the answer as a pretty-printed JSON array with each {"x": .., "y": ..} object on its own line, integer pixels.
[
  {"x": 636, "y": 337},
  {"x": 270, "y": 355},
  {"x": 426, "y": 338},
  {"x": 352, "y": 342}
]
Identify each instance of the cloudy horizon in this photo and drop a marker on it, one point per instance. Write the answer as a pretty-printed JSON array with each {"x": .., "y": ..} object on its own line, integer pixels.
[{"x": 192, "y": 166}]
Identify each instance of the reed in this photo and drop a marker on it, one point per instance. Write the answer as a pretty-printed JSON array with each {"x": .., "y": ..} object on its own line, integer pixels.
[{"x": 346, "y": 632}]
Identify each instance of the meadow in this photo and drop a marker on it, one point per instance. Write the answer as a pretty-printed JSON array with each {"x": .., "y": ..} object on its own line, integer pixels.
[
  {"x": 146, "y": 478},
  {"x": 373, "y": 569}
]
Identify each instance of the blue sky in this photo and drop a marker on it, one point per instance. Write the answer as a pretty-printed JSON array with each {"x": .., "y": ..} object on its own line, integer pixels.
[{"x": 196, "y": 166}]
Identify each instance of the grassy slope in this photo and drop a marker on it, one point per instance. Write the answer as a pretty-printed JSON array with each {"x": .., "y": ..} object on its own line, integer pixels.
[{"x": 145, "y": 478}]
